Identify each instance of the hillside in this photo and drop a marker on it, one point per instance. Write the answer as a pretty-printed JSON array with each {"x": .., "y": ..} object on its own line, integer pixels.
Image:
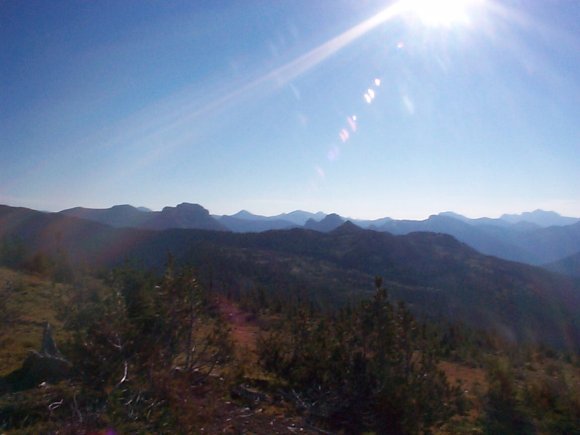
[
  {"x": 252, "y": 390},
  {"x": 116, "y": 216},
  {"x": 567, "y": 266},
  {"x": 535, "y": 238},
  {"x": 519, "y": 241},
  {"x": 28, "y": 300},
  {"x": 436, "y": 274},
  {"x": 84, "y": 242}
]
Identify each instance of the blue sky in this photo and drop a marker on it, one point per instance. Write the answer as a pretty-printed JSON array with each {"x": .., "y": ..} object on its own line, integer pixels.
[{"x": 262, "y": 105}]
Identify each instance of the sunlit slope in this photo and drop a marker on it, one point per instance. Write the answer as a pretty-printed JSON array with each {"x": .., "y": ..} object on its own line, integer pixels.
[
  {"x": 27, "y": 302},
  {"x": 435, "y": 273}
]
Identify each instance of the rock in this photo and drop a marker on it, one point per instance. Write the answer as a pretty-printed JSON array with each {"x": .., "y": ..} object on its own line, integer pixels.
[
  {"x": 48, "y": 346},
  {"x": 248, "y": 395},
  {"x": 48, "y": 365}
]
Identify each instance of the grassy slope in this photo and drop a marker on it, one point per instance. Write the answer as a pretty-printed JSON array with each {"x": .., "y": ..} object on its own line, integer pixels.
[
  {"x": 31, "y": 300},
  {"x": 28, "y": 304}
]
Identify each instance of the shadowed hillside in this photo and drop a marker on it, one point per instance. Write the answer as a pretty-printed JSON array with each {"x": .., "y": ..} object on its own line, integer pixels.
[{"x": 567, "y": 266}]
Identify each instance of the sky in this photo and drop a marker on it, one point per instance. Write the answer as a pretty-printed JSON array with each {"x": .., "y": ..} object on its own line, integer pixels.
[{"x": 365, "y": 108}]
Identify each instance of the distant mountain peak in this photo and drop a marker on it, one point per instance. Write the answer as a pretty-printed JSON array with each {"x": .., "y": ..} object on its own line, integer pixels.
[
  {"x": 123, "y": 207},
  {"x": 189, "y": 205},
  {"x": 329, "y": 223},
  {"x": 184, "y": 215},
  {"x": 540, "y": 217},
  {"x": 300, "y": 217},
  {"x": 537, "y": 212},
  {"x": 453, "y": 215},
  {"x": 184, "y": 207},
  {"x": 123, "y": 215},
  {"x": 245, "y": 214}
]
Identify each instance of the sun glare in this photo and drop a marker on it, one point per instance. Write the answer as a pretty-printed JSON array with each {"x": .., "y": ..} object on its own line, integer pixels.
[{"x": 441, "y": 13}]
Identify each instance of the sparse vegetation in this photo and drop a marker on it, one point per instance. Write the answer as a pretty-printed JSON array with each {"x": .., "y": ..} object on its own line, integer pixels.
[
  {"x": 153, "y": 353},
  {"x": 366, "y": 368}
]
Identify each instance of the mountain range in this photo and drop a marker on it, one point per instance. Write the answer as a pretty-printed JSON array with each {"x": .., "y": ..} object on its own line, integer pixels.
[
  {"x": 435, "y": 273},
  {"x": 538, "y": 237},
  {"x": 184, "y": 215}
]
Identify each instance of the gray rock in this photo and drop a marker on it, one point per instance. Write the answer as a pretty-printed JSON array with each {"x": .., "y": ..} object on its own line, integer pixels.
[{"x": 48, "y": 347}]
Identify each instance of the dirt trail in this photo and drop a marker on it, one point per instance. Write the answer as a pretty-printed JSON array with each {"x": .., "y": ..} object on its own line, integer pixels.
[
  {"x": 244, "y": 328},
  {"x": 263, "y": 417},
  {"x": 470, "y": 377}
]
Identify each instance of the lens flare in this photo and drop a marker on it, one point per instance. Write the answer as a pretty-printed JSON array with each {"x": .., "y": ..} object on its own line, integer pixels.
[{"x": 352, "y": 123}]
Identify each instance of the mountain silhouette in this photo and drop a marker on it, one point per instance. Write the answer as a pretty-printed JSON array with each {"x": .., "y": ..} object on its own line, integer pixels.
[
  {"x": 540, "y": 217},
  {"x": 116, "y": 216},
  {"x": 525, "y": 237},
  {"x": 185, "y": 215},
  {"x": 300, "y": 217},
  {"x": 329, "y": 223},
  {"x": 246, "y": 222},
  {"x": 521, "y": 241}
]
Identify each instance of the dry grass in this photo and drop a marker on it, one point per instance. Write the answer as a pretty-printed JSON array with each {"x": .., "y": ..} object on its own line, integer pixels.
[
  {"x": 470, "y": 378},
  {"x": 244, "y": 329},
  {"x": 28, "y": 305}
]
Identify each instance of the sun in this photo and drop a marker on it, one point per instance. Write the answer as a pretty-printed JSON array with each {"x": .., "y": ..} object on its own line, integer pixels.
[{"x": 440, "y": 13}]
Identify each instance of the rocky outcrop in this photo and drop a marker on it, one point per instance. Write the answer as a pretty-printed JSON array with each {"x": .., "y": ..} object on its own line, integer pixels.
[{"x": 47, "y": 365}]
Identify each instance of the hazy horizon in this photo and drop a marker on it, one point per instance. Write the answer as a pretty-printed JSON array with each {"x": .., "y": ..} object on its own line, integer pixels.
[
  {"x": 312, "y": 211},
  {"x": 365, "y": 109}
]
